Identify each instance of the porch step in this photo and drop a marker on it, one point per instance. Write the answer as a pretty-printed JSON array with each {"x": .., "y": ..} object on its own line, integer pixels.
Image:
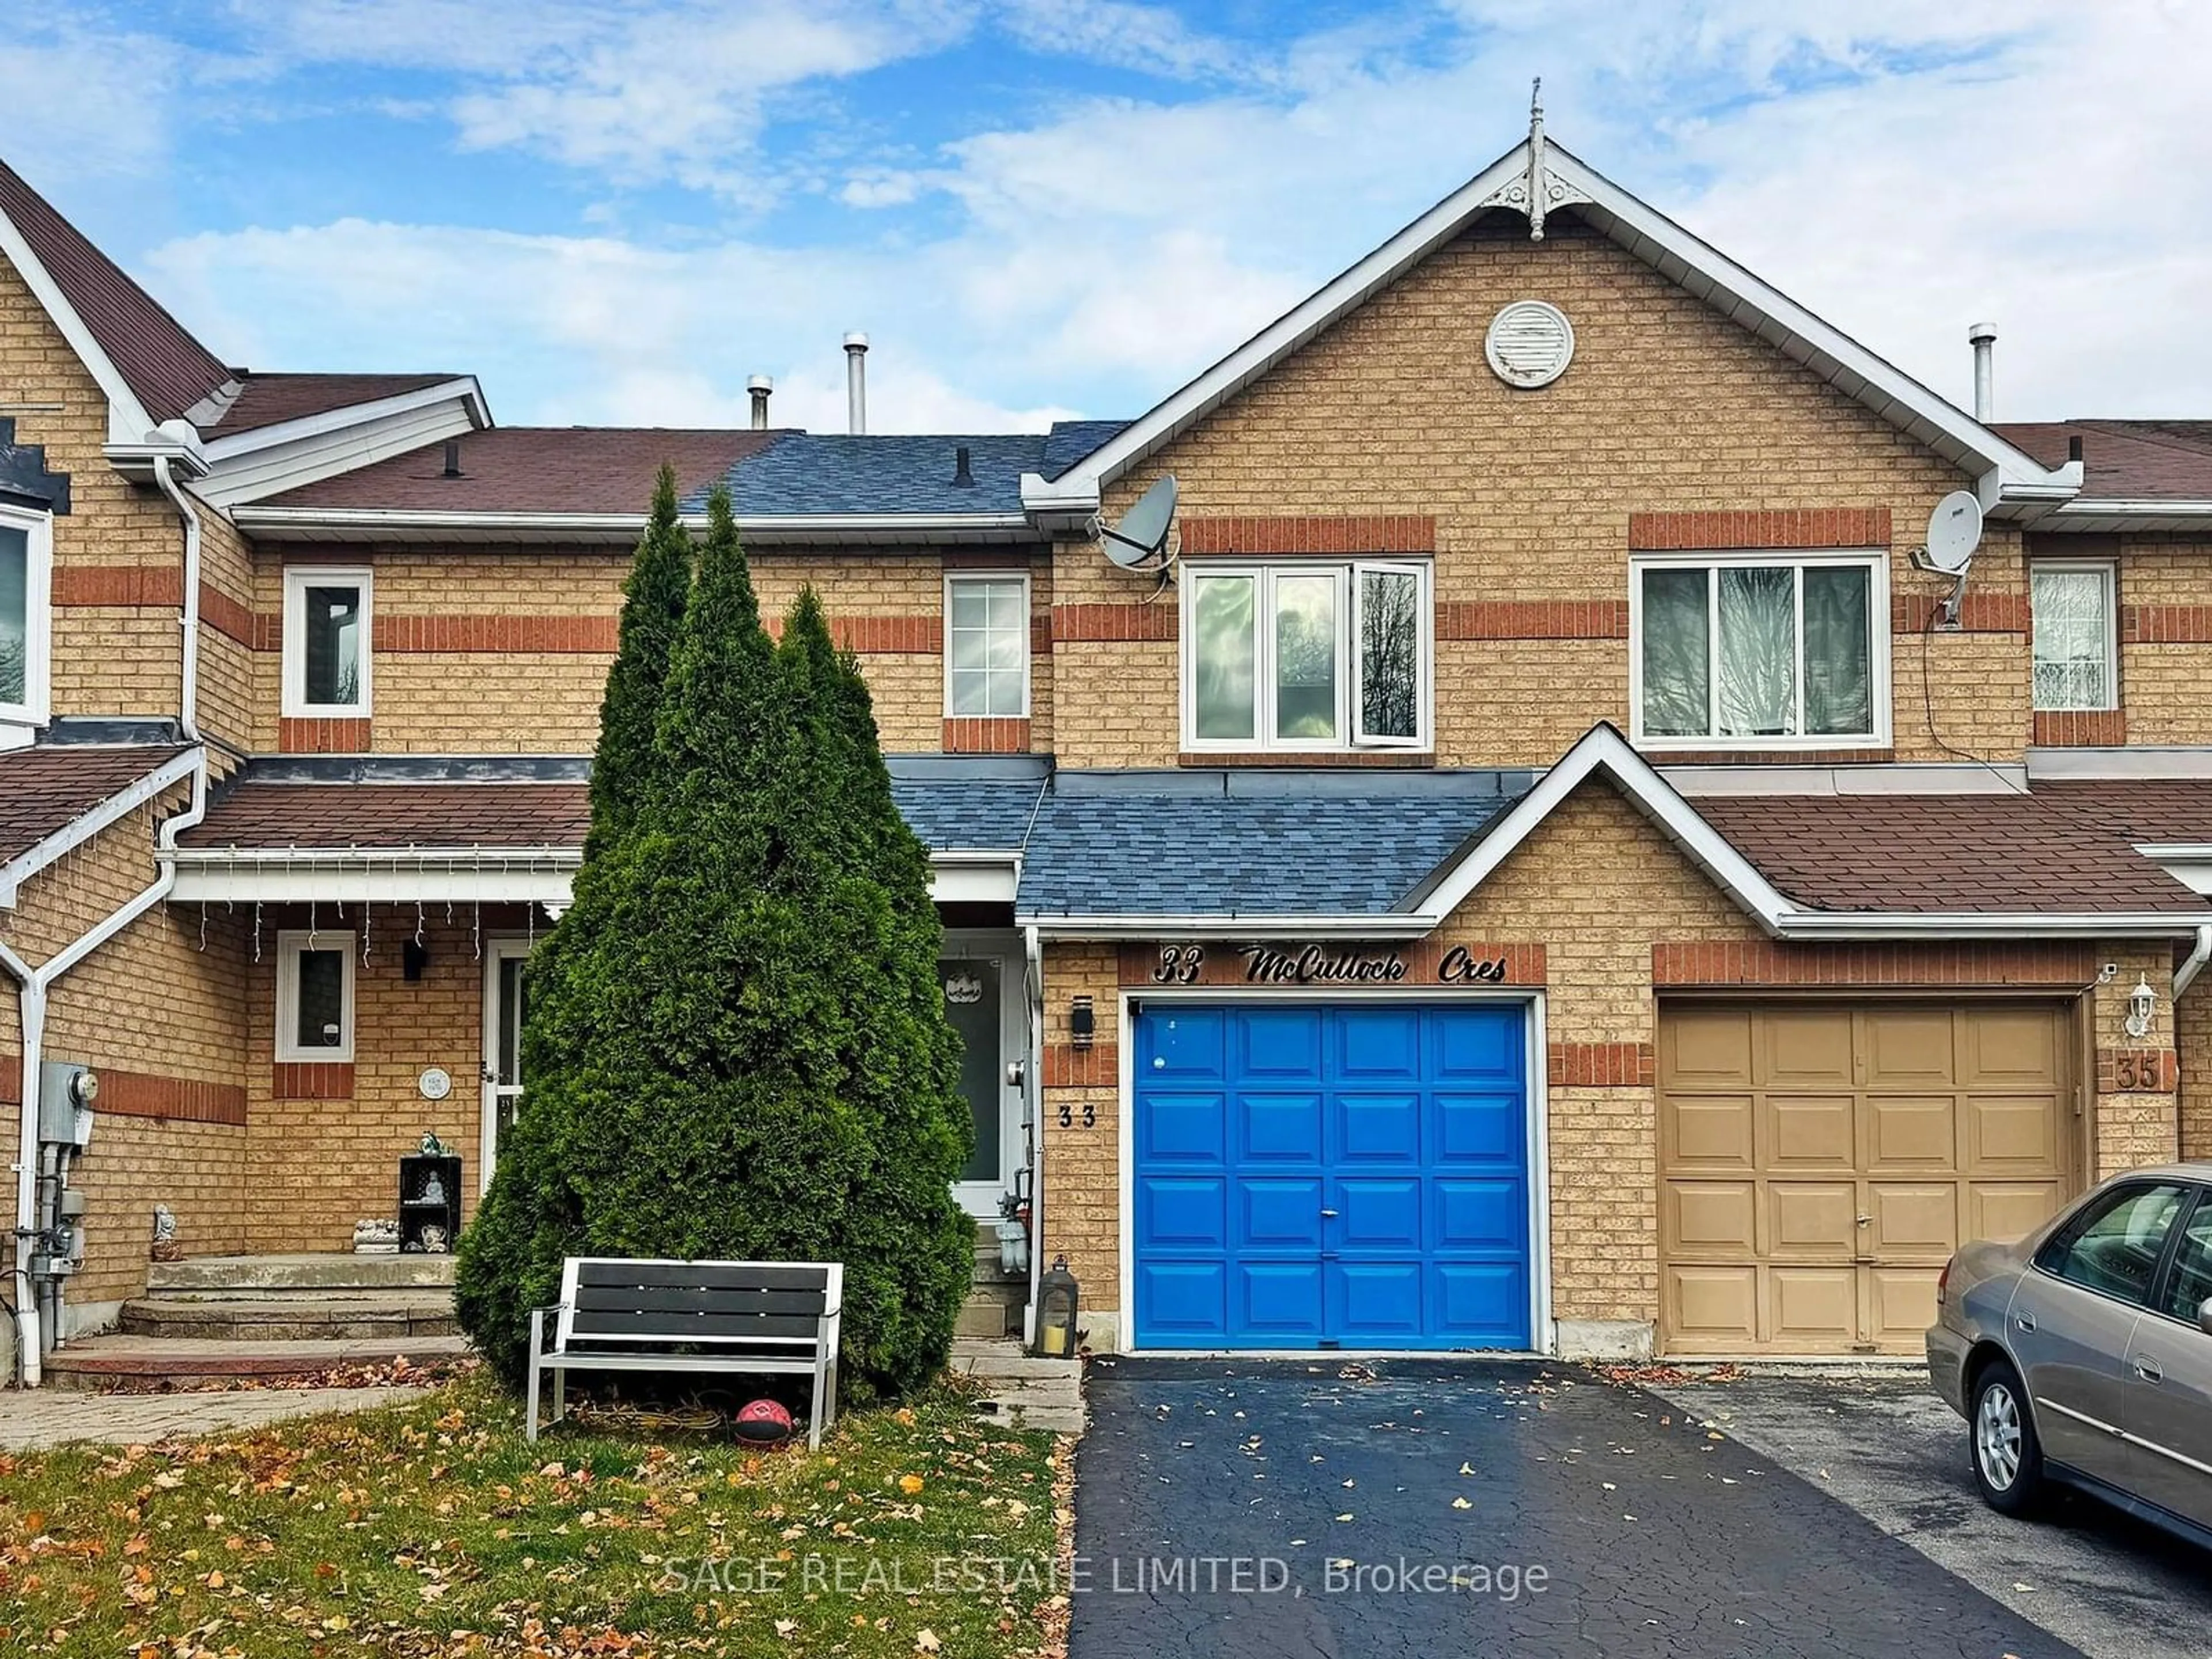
[
  {"x": 291, "y": 1275},
  {"x": 362, "y": 1315},
  {"x": 140, "y": 1363},
  {"x": 994, "y": 1310}
]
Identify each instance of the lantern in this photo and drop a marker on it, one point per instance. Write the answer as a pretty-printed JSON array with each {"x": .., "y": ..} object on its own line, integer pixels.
[
  {"x": 2142, "y": 1005},
  {"x": 1055, "y": 1323}
]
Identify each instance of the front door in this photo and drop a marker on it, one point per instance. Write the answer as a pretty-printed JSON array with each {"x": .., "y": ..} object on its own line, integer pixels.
[
  {"x": 503, "y": 1044},
  {"x": 983, "y": 1001}
]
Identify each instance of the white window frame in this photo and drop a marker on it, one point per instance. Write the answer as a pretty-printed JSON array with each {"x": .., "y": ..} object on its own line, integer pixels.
[
  {"x": 1875, "y": 560},
  {"x": 37, "y": 706},
  {"x": 1346, "y": 572},
  {"x": 954, "y": 578},
  {"x": 298, "y": 579},
  {"x": 2110, "y": 571},
  {"x": 289, "y": 943}
]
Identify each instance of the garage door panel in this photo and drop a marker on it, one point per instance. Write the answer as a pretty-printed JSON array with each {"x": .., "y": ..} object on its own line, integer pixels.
[
  {"x": 1479, "y": 1304},
  {"x": 1812, "y": 1218},
  {"x": 1705, "y": 1049},
  {"x": 1807, "y": 1049},
  {"x": 2009, "y": 1210},
  {"x": 1709, "y": 1132},
  {"x": 1712, "y": 1309},
  {"x": 1279, "y": 1128},
  {"x": 1491, "y": 1128},
  {"x": 1900, "y": 1306},
  {"x": 1377, "y": 1128},
  {"x": 1185, "y": 1299},
  {"x": 1279, "y": 1300},
  {"x": 1709, "y": 1218},
  {"x": 1471, "y": 1213},
  {"x": 1812, "y": 1309},
  {"x": 1277, "y": 1042},
  {"x": 1909, "y": 1132},
  {"x": 1281, "y": 1213},
  {"x": 1376, "y": 1212},
  {"x": 2013, "y": 1134},
  {"x": 1913, "y": 1218},
  {"x": 1185, "y": 1043},
  {"x": 1909, "y": 1048},
  {"x": 1472, "y": 1045},
  {"x": 1183, "y": 1212},
  {"x": 2010, "y": 1048},
  {"x": 1176, "y": 1127},
  {"x": 1810, "y": 1133},
  {"x": 1382, "y": 1043},
  {"x": 1375, "y": 1304}
]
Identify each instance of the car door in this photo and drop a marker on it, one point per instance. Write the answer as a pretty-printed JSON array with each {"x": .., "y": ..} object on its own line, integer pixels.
[
  {"x": 2075, "y": 1314},
  {"x": 2169, "y": 1379}
]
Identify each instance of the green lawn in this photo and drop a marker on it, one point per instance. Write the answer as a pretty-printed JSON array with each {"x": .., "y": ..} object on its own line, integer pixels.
[{"x": 434, "y": 1529}]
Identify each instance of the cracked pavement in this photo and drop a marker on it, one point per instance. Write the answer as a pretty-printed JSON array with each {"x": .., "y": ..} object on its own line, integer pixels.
[{"x": 1328, "y": 1479}]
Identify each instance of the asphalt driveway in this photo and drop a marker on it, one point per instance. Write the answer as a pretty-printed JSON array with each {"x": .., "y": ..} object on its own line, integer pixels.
[{"x": 1290, "y": 1511}]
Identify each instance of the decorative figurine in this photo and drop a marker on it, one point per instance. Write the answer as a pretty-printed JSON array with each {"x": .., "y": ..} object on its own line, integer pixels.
[
  {"x": 434, "y": 1241},
  {"x": 164, "y": 1247},
  {"x": 433, "y": 1190},
  {"x": 376, "y": 1237}
]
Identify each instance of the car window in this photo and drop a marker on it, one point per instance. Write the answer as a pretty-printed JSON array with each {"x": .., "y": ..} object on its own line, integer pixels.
[
  {"x": 2114, "y": 1250},
  {"x": 2189, "y": 1286}
]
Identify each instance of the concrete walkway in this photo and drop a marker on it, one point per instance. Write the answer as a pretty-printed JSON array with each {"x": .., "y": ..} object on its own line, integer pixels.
[
  {"x": 38, "y": 1419},
  {"x": 1029, "y": 1393}
]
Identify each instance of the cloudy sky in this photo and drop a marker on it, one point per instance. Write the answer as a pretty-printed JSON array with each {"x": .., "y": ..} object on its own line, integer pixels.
[{"x": 615, "y": 210}]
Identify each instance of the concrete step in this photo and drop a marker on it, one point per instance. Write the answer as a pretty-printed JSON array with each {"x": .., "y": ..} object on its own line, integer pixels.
[
  {"x": 129, "y": 1362},
  {"x": 351, "y": 1317},
  {"x": 993, "y": 1309},
  {"x": 291, "y": 1275}
]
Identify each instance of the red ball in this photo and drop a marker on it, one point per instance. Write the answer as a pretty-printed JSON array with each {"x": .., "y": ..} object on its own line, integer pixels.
[{"x": 764, "y": 1423}]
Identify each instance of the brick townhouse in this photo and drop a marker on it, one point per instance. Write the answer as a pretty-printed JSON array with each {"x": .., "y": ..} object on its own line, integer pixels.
[{"x": 1538, "y": 861}]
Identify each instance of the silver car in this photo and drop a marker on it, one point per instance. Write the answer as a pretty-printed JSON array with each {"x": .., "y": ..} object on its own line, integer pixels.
[{"x": 2083, "y": 1353}]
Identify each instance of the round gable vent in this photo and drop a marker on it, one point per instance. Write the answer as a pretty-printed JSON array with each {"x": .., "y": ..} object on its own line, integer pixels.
[{"x": 1530, "y": 343}]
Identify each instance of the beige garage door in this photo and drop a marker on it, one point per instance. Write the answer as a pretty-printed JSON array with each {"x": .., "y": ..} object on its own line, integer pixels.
[{"x": 1819, "y": 1163}]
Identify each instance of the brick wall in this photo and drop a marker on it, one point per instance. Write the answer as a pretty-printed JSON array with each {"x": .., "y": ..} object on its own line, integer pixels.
[
  {"x": 2165, "y": 636},
  {"x": 2193, "y": 1041},
  {"x": 2137, "y": 1118}
]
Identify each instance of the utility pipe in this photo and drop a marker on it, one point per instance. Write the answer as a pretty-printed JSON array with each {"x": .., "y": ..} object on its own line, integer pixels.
[
  {"x": 1033, "y": 951},
  {"x": 2193, "y": 964}
]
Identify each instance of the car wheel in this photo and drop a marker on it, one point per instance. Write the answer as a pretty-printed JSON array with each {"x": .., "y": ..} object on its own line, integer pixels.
[{"x": 2007, "y": 1458}]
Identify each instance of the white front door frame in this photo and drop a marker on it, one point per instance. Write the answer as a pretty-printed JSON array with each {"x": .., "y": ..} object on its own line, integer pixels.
[
  {"x": 495, "y": 1091},
  {"x": 980, "y": 1199}
]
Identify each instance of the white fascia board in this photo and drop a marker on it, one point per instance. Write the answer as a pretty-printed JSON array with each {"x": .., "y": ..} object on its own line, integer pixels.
[
  {"x": 463, "y": 390},
  {"x": 1395, "y": 925},
  {"x": 1603, "y": 748},
  {"x": 1840, "y": 925},
  {"x": 2055, "y": 765},
  {"x": 961, "y": 877},
  {"x": 2089, "y": 515},
  {"x": 374, "y": 875},
  {"x": 824, "y": 529},
  {"x": 83, "y": 828},
  {"x": 128, "y": 422}
]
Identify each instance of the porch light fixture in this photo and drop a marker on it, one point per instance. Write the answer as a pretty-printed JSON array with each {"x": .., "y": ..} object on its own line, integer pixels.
[
  {"x": 1082, "y": 1022},
  {"x": 2143, "y": 1003}
]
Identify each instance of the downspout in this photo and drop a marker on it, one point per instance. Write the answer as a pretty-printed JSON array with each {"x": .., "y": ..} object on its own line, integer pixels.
[
  {"x": 35, "y": 1338},
  {"x": 2193, "y": 964},
  {"x": 1033, "y": 951}
]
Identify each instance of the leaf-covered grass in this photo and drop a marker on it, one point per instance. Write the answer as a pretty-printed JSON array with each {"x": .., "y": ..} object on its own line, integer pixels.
[{"x": 433, "y": 1528}]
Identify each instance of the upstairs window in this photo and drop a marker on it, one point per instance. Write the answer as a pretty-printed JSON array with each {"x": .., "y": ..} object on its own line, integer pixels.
[
  {"x": 2076, "y": 634},
  {"x": 314, "y": 996},
  {"x": 1307, "y": 656},
  {"x": 326, "y": 656},
  {"x": 1759, "y": 651},
  {"x": 986, "y": 647},
  {"x": 26, "y": 582}
]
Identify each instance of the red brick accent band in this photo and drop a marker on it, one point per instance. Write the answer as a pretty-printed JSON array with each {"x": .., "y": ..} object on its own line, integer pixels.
[
  {"x": 322, "y": 737},
  {"x": 1601, "y": 1065},
  {"x": 1766, "y": 962},
  {"x": 987, "y": 737},
  {"x": 1818, "y": 526},
  {"x": 136, "y": 1094},
  {"x": 119, "y": 585},
  {"x": 2165, "y": 624},
  {"x": 1222, "y": 964},
  {"x": 1067, "y": 1066},
  {"x": 1533, "y": 619},
  {"x": 548, "y": 635},
  {"x": 318, "y": 1080},
  {"x": 879, "y": 635},
  {"x": 1992, "y": 611},
  {"x": 236, "y": 620},
  {"x": 1364, "y": 532},
  {"x": 2133, "y": 1071},
  {"x": 1099, "y": 622},
  {"x": 2080, "y": 728}
]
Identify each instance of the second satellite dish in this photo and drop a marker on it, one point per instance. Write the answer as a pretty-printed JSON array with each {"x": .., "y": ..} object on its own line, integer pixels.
[
  {"x": 1142, "y": 535},
  {"x": 1955, "y": 531}
]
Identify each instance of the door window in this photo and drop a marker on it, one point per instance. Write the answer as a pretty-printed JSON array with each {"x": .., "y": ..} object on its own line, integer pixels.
[
  {"x": 2114, "y": 1250},
  {"x": 2189, "y": 1286},
  {"x": 972, "y": 1004}
]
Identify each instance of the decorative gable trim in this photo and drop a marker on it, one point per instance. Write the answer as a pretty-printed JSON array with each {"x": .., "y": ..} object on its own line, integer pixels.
[{"x": 128, "y": 422}]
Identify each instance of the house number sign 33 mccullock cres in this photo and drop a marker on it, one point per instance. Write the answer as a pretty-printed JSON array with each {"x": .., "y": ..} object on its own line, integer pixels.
[{"x": 1315, "y": 964}]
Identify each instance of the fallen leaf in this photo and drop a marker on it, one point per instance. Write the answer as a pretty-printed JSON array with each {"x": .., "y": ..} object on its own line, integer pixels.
[
  {"x": 911, "y": 1484},
  {"x": 925, "y": 1641},
  {"x": 1461, "y": 1504}
]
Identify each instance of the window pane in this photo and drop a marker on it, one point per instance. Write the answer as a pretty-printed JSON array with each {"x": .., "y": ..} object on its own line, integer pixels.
[
  {"x": 1757, "y": 651},
  {"x": 1222, "y": 669},
  {"x": 2190, "y": 1286},
  {"x": 2073, "y": 634},
  {"x": 322, "y": 999},
  {"x": 510, "y": 1020},
  {"x": 1390, "y": 653},
  {"x": 1305, "y": 658},
  {"x": 972, "y": 1005},
  {"x": 1677, "y": 654},
  {"x": 2118, "y": 1252},
  {"x": 988, "y": 645},
  {"x": 333, "y": 646},
  {"x": 1838, "y": 651},
  {"x": 14, "y": 614}
]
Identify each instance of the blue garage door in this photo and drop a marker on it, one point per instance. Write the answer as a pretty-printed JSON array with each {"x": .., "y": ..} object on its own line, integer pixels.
[{"x": 1311, "y": 1175}]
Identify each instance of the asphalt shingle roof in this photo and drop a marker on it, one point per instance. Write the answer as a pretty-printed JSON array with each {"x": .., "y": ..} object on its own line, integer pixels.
[
  {"x": 810, "y": 472},
  {"x": 47, "y": 787}
]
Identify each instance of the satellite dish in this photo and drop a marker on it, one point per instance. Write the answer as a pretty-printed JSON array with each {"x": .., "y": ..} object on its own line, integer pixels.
[
  {"x": 1142, "y": 535},
  {"x": 1955, "y": 531}
]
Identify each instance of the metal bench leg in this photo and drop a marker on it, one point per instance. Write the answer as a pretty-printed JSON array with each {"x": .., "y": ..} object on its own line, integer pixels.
[
  {"x": 536, "y": 1338},
  {"x": 560, "y": 1394},
  {"x": 814, "y": 1419}
]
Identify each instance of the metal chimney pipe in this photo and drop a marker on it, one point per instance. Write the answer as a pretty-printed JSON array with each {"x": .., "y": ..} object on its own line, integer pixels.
[
  {"x": 856, "y": 384},
  {"x": 759, "y": 386},
  {"x": 1983, "y": 336}
]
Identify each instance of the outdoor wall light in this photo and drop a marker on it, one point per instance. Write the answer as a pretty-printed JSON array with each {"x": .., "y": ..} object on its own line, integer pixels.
[
  {"x": 1082, "y": 1022},
  {"x": 413, "y": 958},
  {"x": 2143, "y": 1003}
]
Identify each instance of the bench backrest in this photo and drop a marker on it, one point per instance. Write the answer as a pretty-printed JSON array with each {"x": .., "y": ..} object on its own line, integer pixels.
[{"x": 784, "y": 1305}]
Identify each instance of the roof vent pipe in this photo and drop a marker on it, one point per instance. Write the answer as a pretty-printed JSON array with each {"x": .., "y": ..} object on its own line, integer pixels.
[
  {"x": 1983, "y": 336},
  {"x": 856, "y": 384},
  {"x": 963, "y": 474},
  {"x": 453, "y": 457},
  {"x": 759, "y": 386}
]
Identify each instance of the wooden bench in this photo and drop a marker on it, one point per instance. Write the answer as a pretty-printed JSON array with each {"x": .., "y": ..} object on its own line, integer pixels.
[{"x": 745, "y": 1317}]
